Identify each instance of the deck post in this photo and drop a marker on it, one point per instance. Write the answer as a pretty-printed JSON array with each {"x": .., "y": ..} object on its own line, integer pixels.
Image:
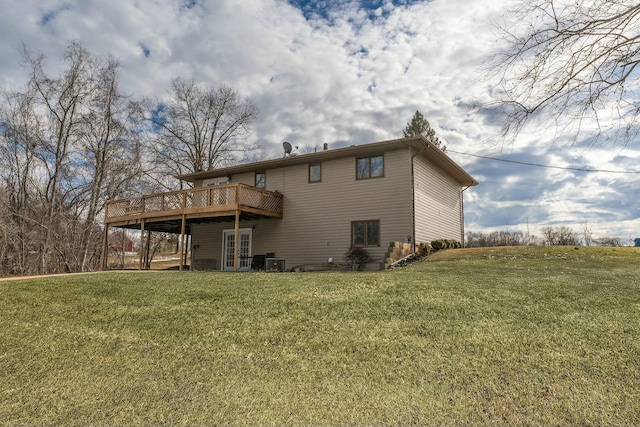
[
  {"x": 186, "y": 251},
  {"x": 141, "y": 243},
  {"x": 105, "y": 248},
  {"x": 147, "y": 258},
  {"x": 122, "y": 247},
  {"x": 236, "y": 248},
  {"x": 182, "y": 251}
]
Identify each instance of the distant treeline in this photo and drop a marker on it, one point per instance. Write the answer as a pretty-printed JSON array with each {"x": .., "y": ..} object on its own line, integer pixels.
[{"x": 549, "y": 236}]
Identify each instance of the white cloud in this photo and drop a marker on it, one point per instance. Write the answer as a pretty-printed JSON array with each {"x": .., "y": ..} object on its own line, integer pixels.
[{"x": 342, "y": 76}]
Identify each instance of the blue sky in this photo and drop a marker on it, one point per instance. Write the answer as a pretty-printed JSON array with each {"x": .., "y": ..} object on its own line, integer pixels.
[
  {"x": 332, "y": 9},
  {"x": 348, "y": 72}
]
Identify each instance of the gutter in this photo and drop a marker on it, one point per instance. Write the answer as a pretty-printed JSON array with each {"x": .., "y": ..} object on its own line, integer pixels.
[{"x": 440, "y": 159}]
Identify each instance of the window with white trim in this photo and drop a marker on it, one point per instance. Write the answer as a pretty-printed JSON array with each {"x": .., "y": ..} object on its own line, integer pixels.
[
  {"x": 315, "y": 172},
  {"x": 261, "y": 180}
]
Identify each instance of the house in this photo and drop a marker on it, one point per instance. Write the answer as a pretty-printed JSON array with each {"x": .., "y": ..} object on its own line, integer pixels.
[
  {"x": 308, "y": 209},
  {"x": 120, "y": 242}
]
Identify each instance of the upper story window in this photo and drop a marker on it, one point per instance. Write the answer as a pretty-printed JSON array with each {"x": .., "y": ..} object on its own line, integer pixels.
[
  {"x": 261, "y": 180},
  {"x": 315, "y": 172},
  {"x": 370, "y": 167}
]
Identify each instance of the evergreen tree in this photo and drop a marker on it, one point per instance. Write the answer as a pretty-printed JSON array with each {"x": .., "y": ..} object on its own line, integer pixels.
[{"x": 419, "y": 126}]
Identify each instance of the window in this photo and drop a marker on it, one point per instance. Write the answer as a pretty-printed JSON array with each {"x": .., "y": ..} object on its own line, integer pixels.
[
  {"x": 315, "y": 172},
  {"x": 216, "y": 181},
  {"x": 365, "y": 233},
  {"x": 261, "y": 180},
  {"x": 370, "y": 167}
]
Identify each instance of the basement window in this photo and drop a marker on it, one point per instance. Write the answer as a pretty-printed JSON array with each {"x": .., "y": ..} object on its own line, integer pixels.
[{"x": 365, "y": 233}]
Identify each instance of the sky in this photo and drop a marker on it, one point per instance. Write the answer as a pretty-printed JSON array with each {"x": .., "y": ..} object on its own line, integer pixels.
[{"x": 347, "y": 72}]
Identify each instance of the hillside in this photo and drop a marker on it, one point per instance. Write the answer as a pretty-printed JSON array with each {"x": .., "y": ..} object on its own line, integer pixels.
[{"x": 511, "y": 336}]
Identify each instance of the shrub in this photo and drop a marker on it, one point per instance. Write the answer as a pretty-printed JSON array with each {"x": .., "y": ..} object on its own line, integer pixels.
[
  {"x": 425, "y": 249},
  {"x": 445, "y": 244},
  {"x": 357, "y": 257},
  {"x": 437, "y": 245},
  {"x": 610, "y": 241},
  {"x": 559, "y": 236}
]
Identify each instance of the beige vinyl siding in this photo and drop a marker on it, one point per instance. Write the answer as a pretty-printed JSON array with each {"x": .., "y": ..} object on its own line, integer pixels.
[
  {"x": 316, "y": 223},
  {"x": 208, "y": 240},
  {"x": 247, "y": 179},
  {"x": 438, "y": 201}
]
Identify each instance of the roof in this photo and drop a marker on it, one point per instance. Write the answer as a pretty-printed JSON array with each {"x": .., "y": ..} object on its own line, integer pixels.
[{"x": 419, "y": 143}]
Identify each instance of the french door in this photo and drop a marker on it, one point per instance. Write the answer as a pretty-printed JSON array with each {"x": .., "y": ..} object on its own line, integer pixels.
[{"x": 244, "y": 249}]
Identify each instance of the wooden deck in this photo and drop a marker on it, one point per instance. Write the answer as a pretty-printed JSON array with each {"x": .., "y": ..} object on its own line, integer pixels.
[{"x": 165, "y": 211}]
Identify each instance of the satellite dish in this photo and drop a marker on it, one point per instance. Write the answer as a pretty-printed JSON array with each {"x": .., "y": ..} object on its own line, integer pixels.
[{"x": 288, "y": 148}]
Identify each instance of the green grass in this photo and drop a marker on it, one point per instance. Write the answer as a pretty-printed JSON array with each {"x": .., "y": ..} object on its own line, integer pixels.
[{"x": 520, "y": 336}]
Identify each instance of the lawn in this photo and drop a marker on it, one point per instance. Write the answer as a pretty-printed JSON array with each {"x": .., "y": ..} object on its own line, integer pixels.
[{"x": 518, "y": 336}]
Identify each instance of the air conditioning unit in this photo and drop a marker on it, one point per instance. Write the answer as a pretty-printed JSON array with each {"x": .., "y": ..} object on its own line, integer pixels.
[{"x": 274, "y": 264}]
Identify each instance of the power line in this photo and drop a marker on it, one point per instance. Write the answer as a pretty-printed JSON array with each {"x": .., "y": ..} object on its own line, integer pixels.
[{"x": 545, "y": 166}]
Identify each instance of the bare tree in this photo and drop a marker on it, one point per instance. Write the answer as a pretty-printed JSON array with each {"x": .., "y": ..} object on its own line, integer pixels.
[
  {"x": 609, "y": 241},
  {"x": 557, "y": 236},
  {"x": 573, "y": 63},
  {"x": 58, "y": 107},
  {"x": 18, "y": 143},
  {"x": 200, "y": 128},
  {"x": 587, "y": 234},
  {"x": 566, "y": 236},
  {"x": 108, "y": 152},
  {"x": 66, "y": 142},
  {"x": 496, "y": 238},
  {"x": 7, "y": 245}
]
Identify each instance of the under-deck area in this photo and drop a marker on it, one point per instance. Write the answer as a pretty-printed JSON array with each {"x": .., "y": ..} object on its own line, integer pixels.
[{"x": 175, "y": 211}]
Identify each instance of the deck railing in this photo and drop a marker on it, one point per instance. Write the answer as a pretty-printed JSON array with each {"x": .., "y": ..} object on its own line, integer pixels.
[{"x": 215, "y": 198}]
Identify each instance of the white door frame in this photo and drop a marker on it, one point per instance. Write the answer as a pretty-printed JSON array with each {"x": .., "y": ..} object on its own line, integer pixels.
[{"x": 244, "y": 254}]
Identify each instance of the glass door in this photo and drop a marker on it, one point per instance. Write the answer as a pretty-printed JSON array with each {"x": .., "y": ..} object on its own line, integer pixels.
[{"x": 244, "y": 250}]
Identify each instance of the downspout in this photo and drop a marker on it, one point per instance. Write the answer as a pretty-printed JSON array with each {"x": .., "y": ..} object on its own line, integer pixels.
[
  {"x": 413, "y": 205},
  {"x": 462, "y": 214}
]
